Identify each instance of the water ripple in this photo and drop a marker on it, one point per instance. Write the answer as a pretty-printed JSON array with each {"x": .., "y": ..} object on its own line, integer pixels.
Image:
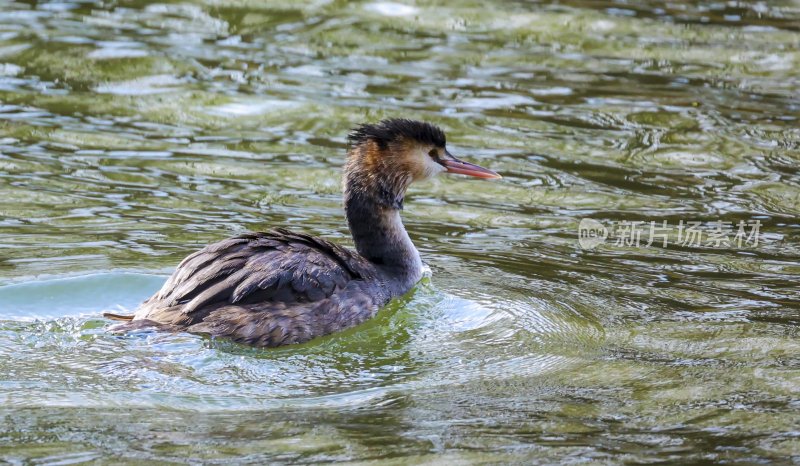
[{"x": 131, "y": 135}]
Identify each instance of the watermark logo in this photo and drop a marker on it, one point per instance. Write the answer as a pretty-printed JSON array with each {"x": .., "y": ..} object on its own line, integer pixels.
[
  {"x": 591, "y": 233},
  {"x": 715, "y": 234}
]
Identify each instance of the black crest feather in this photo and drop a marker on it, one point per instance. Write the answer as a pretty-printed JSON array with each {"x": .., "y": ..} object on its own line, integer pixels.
[{"x": 395, "y": 129}]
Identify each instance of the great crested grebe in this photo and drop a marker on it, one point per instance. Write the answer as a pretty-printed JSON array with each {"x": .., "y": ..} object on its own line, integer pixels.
[{"x": 278, "y": 287}]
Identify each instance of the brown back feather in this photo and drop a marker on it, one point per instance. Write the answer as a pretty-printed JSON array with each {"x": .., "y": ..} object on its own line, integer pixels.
[{"x": 274, "y": 266}]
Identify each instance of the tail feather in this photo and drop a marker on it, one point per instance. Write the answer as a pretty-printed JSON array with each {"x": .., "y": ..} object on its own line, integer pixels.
[
  {"x": 142, "y": 324},
  {"x": 109, "y": 315}
]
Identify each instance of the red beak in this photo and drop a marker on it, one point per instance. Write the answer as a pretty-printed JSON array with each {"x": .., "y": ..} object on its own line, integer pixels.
[{"x": 453, "y": 165}]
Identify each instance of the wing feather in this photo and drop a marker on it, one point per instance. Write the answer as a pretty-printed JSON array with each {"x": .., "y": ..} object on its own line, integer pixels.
[{"x": 275, "y": 266}]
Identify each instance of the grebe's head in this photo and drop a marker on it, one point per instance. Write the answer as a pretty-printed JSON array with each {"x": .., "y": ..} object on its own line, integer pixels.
[{"x": 402, "y": 151}]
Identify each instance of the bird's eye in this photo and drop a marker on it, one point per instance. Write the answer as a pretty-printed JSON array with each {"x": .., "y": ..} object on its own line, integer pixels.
[{"x": 434, "y": 154}]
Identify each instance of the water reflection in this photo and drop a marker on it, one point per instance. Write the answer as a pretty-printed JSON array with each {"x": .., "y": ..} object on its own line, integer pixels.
[{"x": 132, "y": 134}]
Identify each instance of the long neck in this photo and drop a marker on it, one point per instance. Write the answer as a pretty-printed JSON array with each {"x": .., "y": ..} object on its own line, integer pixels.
[{"x": 379, "y": 236}]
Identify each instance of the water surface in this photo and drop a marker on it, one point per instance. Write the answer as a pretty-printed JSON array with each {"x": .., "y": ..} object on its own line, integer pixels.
[{"x": 132, "y": 133}]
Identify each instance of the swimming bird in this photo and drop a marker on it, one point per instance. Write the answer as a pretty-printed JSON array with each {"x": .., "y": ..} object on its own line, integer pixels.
[{"x": 280, "y": 287}]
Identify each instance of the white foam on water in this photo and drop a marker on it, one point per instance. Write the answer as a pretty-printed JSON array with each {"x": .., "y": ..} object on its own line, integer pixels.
[
  {"x": 157, "y": 84},
  {"x": 392, "y": 9},
  {"x": 248, "y": 108}
]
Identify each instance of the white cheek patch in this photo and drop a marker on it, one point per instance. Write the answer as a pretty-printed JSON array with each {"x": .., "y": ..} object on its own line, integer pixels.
[{"x": 430, "y": 168}]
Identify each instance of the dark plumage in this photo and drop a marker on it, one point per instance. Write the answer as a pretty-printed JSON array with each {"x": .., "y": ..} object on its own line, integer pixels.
[
  {"x": 278, "y": 287},
  {"x": 265, "y": 289},
  {"x": 394, "y": 129}
]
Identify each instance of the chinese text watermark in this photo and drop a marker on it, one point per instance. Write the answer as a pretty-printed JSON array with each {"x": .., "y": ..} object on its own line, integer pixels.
[{"x": 713, "y": 234}]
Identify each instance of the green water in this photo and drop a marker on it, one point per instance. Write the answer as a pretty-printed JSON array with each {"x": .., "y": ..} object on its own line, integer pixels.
[{"x": 132, "y": 133}]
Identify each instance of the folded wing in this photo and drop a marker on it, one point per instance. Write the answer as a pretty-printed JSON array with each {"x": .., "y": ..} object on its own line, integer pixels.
[{"x": 277, "y": 266}]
